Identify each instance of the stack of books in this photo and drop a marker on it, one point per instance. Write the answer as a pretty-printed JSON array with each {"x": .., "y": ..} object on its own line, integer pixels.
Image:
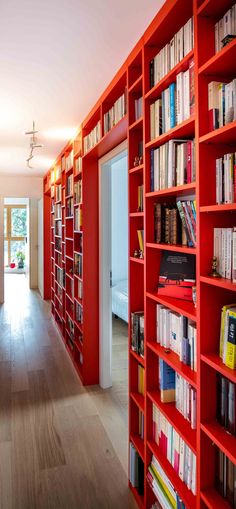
[
  {"x": 137, "y": 332},
  {"x": 225, "y": 252},
  {"x": 162, "y": 488},
  {"x": 175, "y": 105},
  {"x": 136, "y": 470},
  {"x": 57, "y": 173},
  {"x": 226, "y": 404},
  {"x": 69, "y": 160},
  {"x": 138, "y": 108},
  {"x": 172, "y": 164},
  {"x": 225, "y": 28},
  {"x": 115, "y": 114},
  {"x": 174, "y": 448},
  {"x": 228, "y": 335},
  {"x": 226, "y": 478},
  {"x": 92, "y": 138},
  {"x": 172, "y": 53},
  {"x": 221, "y": 103},
  {"x": 226, "y": 179}
]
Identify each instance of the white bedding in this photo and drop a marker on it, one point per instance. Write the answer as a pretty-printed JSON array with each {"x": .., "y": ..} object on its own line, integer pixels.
[{"x": 120, "y": 299}]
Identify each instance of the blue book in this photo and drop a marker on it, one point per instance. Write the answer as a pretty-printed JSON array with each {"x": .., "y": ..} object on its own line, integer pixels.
[
  {"x": 172, "y": 105},
  {"x": 166, "y": 382},
  {"x": 163, "y": 112},
  {"x": 152, "y": 170}
]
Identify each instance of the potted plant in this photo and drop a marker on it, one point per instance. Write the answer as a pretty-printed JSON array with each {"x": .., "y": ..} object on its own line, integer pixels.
[{"x": 20, "y": 259}]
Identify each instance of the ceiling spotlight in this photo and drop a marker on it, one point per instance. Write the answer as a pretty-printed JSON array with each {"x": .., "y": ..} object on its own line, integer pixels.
[{"x": 33, "y": 143}]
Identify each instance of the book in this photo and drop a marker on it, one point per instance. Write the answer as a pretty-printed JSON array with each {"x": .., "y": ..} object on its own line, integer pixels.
[{"x": 177, "y": 275}]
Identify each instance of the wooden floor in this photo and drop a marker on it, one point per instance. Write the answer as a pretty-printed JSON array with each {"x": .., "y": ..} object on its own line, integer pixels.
[{"x": 62, "y": 446}]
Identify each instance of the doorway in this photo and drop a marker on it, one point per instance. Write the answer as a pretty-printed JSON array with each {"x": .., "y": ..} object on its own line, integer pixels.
[{"x": 113, "y": 268}]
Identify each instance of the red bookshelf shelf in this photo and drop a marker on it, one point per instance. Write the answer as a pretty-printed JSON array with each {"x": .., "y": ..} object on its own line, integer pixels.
[
  {"x": 136, "y": 214},
  {"x": 138, "y": 444},
  {"x": 184, "y": 129},
  {"x": 137, "y": 84},
  {"x": 213, "y": 360},
  {"x": 173, "y": 360},
  {"x": 78, "y": 300},
  {"x": 172, "y": 247},
  {"x": 137, "y": 260},
  {"x": 177, "y": 190},
  {"x": 220, "y": 437},
  {"x": 224, "y": 207},
  {"x": 214, "y": 8},
  {"x": 139, "y": 498},
  {"x": 222, "y": 63},
  {"x": 170, "y": 77},
  {"x": 187, "y": 496},
  {"x": 79, "y": 325},
  {"x": 138, "y": 358},
  {"x": 220, "y": 282},
  {"x": 176, "y": 419},
  {"x": 184, "y": 307},
  {"x": 138, "y": 399},
  {"x": 213, "y": 500},
  {"x": 136, "y": 169},
  {"x": 136, "y": 124},
  {"x": 70, "y": 298},
  {"x": 225, "y": 134}
]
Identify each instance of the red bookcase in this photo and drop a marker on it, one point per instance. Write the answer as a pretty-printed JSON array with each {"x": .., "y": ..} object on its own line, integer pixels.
[{"x": 72, "y": 268}]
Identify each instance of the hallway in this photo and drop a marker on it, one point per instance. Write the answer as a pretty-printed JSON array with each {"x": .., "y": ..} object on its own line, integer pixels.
[{"x": 62, "y": 446}]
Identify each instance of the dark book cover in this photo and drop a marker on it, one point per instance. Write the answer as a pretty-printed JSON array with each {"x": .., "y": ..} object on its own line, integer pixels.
[
  {"x": 230, "y": 482},
  {"x": 231, "y": 408},
  {"x": 140, "y": 476},
  {"x": 177, "y": 275}
]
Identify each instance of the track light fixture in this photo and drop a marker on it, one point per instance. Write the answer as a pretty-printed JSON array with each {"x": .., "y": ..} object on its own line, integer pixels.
[{"x": 33, "y": 143}]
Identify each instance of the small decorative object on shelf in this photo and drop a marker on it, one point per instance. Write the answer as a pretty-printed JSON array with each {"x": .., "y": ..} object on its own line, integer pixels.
[
  {"x": 194, "y": 295},
  {"x": 141, "y": 254},
  {"x": 136, "y": 161},
  {"x": 136, "y": 253},
  {"x": 227, "y": 40},
  {"x": 214, "y": 272}
]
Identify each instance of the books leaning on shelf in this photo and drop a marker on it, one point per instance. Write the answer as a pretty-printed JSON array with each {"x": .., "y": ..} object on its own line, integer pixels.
[
  {"x": 175, "y": 105},
  {"x": 225, "y": 252},
  {"x": 225, "y": 28},
  {"x": 228, "y": 335},
  {"x": 172, "y": 53},
  {"x": 78, "y": 165},
  {"x": 78, "y": 219},
  {"x": 115, "y": 114},
  {"x": 174, "y": 448},
  {"x": 138, "y": 108},
  {"x": 140, "y": 198},
  {"x": 136, "y": 469},
  {"x": 92, "y": 138},
  {"x": 177, "y": 333},
  {"x": 69, "y": 185},
  {"x": 69, "y": 207},
  {"x": 80, "y": 290},
  {"x": 137, "y": 332},
  {"x": 79, "y": 313},
  {"x": 162, "y": 488},
  {"x": 226, "y": 404},
  {"x": 226, "y": 179},
  {"x": 225, "y": 481},
  {"x": 140, "y": 379},
  {"x": 221, "y": 103},
  {"x": 78, "y": 192},
  {"x": 69, "y": 160},
  {"x": 141, "y": 424},
  {"x": 174, "y": 388},
  {"x": 172, "y": 164},
  {"x": 177, "y": 275},
  {"x": 58, "y": 211},
  {"x": 78, "y": 264},
  {"x": 58, "y": 193},
  {"x": 175, "y": 223},
  {"x": 70, "y": 327}
]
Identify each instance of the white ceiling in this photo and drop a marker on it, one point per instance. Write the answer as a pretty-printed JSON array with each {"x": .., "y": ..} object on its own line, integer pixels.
[{"x": 56, "y": 58}]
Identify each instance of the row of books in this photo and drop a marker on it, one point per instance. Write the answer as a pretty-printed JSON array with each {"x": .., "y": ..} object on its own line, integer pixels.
[
  {"x": 59, "y": 276},
  {"x": 228, "y": 336},
  {"x": 172, "y": 53},
  {"x": 115, "y": 114},
  {"x": 58, "y": 228},
  {"x": 136, "y": 469},
  {"x": 141, "y": 375},
  {"x": 226, "y": 179},
  {"x": 58, "y": 244},
  {"x": 78, "y": 264},
  {"x": 69, "y": 160},
  {"x": 177, "y": 333},
  {"x": 226, "y": 478},
  {"x": 225, "y": 252},
  {"x": 78, "y": 222},
  {"x": 174, "y": 388},
  {"x": 78, "y": 192},
  {"x": 137, "y": 332},
  {"x": 78, "y": 165},
  {"x": 140, "y": 198},
  {"x": 141, "y": 424},
  {"x": 58, "y": 192},
  {"x": 162, "y": 488},
  {"x": 174, "y": 448},
  {"x": 70, "y": 286},
  {"x": 225, "y": 28},
  {"x": 172, "y": 164},
  {"x": 69, "y": 185},
  {"x": 221, "y": 103},
  {"x": 79, "y": 313},
  {"x": 70, "y": 326},
  {"x": 57, "y": 211},
  {"x": 175, "y": 105},
  {"x": 92, "y": 138},
  {"x": 69, "y": 207},
  {"x": 175, "y": 223},
  {"x": 226, "y": 404},
  {"x": 138, "y": 108},
  {"x": 80, "y": 290}
]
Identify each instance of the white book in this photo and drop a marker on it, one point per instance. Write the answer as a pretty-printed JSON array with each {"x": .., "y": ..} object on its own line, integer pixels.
[
  {"x": 217, "y": 48},
  {"x": 194, "y": 472},
  {"x": 189, "y": 471},
  {"x": 186, "y": 95},
  {"x": 157, "y": 169},
  {"x": 181, "y": 45},
  {"x": 193, "y": 409},
  {"x": 195, "y": 348},
  {"x": 228, "y": 270},
  {"x": 152, "y": 121},
  {"x": 224, "y": 251},
  {"x": 234, "y": 256},
  {"x": 217, "y": 248},
  {"x": 181, "y": 459},
  {"x": 179, "y": 97}
]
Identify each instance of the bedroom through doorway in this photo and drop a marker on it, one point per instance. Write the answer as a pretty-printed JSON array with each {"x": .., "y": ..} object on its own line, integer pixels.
[{"x": 113, "y": 284}]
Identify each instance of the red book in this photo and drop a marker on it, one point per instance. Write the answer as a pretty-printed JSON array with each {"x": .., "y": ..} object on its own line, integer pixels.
[{"x": 191, "y": 86}]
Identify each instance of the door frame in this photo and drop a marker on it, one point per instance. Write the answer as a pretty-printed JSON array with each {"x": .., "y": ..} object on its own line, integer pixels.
[{"x": 105, "y": 309}]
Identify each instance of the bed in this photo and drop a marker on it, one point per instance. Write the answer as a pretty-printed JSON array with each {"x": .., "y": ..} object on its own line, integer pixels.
[{"x": 120, "y": 299}]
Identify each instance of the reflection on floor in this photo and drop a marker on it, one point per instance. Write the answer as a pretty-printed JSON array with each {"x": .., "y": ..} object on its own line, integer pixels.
[{"x": 62, "y": 446}]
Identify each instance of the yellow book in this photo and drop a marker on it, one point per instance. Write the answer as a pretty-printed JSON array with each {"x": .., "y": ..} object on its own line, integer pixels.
[
  {"x": 230, "y": 359},
  {"x": 140, "y": 239},
  {"x": 164, "y": 487}
]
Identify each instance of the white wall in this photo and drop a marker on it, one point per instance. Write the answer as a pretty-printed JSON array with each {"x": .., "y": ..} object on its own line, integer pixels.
[
  {"x": 21, "y": 187},
  {"x": 40, "y": 248},
  {"x": 1, "y": 251},
  {"x": 119, "y": 193}
]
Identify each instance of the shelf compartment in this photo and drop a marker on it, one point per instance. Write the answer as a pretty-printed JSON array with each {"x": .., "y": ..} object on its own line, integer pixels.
[
  {"x": 214, "y": 8},
  {"x": 171, "y": 247},
  {"x": 136, "y": 169},
  {"x": 220, "y": 282},
  {"x": 138, "y": 358},
  {"x": 222, "y": 63},
  {"x": 213, "y": 360},
  {"x": 177, "y": 190},
  {"x": 138, "y": 399},
  {"x": 137, "y": 85},
  {"x": 172, "y": 359},
  {"x": 187, "y": 496},
  {"x": 225, "y": 441},
  {"x": 136, "y": 124},
  {"x": 139, "y": 498},
  {"x": 225, "y": 134},
  {"x": 183, "y": 307},
  {"x": 138, "y": 444},
  {"x": 182, "y": 130},
  {"x": 212, "y": 499},
  {"x": 176, "y": 419}
]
